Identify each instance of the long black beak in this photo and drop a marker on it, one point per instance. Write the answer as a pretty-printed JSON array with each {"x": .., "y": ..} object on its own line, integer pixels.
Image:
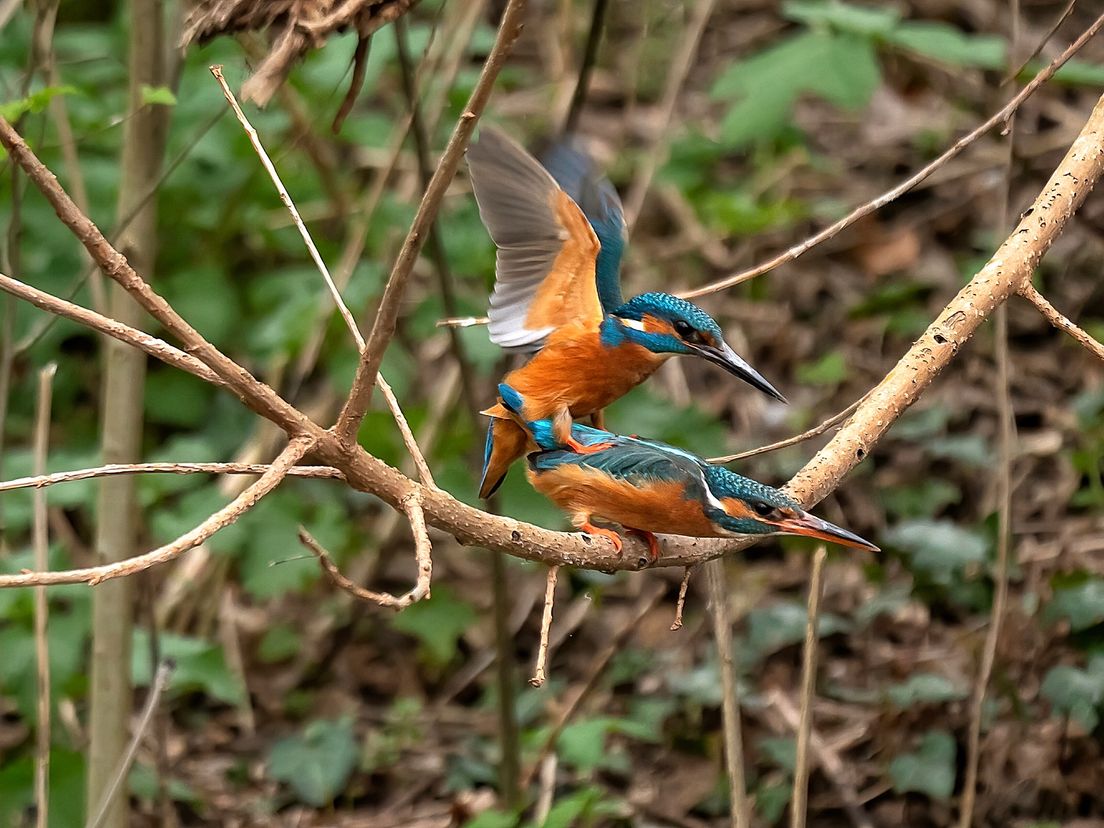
[
  {"x": 736, "y": 365},
  {"x": 813, "y": 527}
]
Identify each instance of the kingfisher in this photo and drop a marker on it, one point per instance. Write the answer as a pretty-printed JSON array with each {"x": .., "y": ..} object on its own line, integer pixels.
[
  {"x": 557, "y": 293},
  {"x": 649, "y": 487}
]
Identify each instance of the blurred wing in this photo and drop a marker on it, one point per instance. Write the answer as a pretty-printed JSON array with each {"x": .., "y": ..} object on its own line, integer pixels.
[
  {"x": 577, "y": 174},
  {"x": 545, "y": 272}
]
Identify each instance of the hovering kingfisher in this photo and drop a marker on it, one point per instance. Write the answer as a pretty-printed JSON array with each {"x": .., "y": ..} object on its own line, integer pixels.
[
  {"x": 557, "y": 292},
  {"x": 650, "y": 487}
]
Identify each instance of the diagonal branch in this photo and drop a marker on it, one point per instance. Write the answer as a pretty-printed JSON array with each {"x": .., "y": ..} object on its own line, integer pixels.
[
  {"x": 141, "y": 340},
  {"x": 999, "y": 118},
  {"x": 1060, "y": 321},
  {"x": 352, "y": 413},
  {"x": 41, "y": 481},
  {"x": 222, "y": 518}
]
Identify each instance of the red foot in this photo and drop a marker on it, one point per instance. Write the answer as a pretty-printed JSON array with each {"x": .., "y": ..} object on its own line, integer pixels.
[
  {"x": 650, "y": 539},
  {"x": 579, "y": 448},
  {"x": 591, "y": 529}
]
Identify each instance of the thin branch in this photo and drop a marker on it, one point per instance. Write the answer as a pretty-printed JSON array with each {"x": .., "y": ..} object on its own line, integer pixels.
[
  {"x": 539, "y": 673},
  {"x": 157, "y": 348},
  {"x": 255, "y": 393},
  {"x": 360, "y": 65},
  {"x": 590, "y": 54},
  {"x": 422, "y": 548},
  {"x": 41, "y": 605},
  {"x": 222, "y": 518},
  {"x": 815, "y": 431},
  {"x": 800, "y": 798},
  {"x": 360, "y": 395},
  {"x": 285, "y": 197},
  {"x": 730, "y": 700},
  {"x": 160, "y": 681},
  {"x": 998, "y": 119},
  {"x": 408, "y": 438},
  {"x": 1060, "y": 321},
  {"x": 41, "y": 481},
  {"x": 680, "y": 604},
  {"x": 656, "y": 153}
]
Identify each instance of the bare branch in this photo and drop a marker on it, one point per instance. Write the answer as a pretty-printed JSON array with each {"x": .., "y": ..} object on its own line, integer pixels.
[
  {"x": 41, "y": 604},
  {"x": 222, "y": 518},
  {"x": 800, "y": 798},
  {"x": 255, "y": 393},
  {"x": 408, "y": 438},
  {"x": 539, "y": 673},
  {"x": 683, "y": 59},
  {"x": 1060, "y": 321},
  {"x": 422, "y": 548},
  {"x": 815, "y": 431},
  {"x": 285, "y": 197},
  {"x": 41, "y": 481},
  {"x": 998, "y": 119},
  {"x": 384, "y": 327},
  {"x": 680, "y": 604},
  {"x": 157, "y": 348}
]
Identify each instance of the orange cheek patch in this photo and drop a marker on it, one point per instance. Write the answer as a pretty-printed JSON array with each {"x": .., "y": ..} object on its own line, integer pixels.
[
  {"x": 738, "y": 509},
  {"x": 653, "y": 324}
]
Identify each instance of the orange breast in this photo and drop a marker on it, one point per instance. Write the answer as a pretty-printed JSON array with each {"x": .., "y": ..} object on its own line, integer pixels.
[
  {"x": 657, "y": 506},
  {"x": 574, "y": 370}
]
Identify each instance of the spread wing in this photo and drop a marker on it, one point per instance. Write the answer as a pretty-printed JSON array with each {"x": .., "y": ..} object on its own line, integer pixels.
[
  {"x": 545, "y": 271},
  {"x": 580, "y": 178}
]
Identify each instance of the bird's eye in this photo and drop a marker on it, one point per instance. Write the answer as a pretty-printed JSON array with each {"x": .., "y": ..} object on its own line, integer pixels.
[
  {"x": 762, "y": 509},
  {"x": 683, "y": 329}
]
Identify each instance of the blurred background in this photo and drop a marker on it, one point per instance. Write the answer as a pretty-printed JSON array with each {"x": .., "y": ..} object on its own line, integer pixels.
[{"x": 291, "y": 704}]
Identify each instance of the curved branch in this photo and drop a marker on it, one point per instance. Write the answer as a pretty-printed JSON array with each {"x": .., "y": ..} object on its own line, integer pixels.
[
  {"x": 1000, "y": 117},
  {"x": 1060, "y": 320},
  {"x": 222, "y": 518}
]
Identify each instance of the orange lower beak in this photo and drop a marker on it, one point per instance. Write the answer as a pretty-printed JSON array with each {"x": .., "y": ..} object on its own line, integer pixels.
[{"x": 813, "y": 527}]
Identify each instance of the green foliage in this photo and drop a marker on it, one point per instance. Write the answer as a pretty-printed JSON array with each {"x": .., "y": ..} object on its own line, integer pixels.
[
  {"x": 34, "y": 103},
  {"x": 924, "y": 688},
  {"x": 157, "y": 95},
  {"x": 200, "y": 666},
  {"x": 1078, "y": 600},
  {"x": 316, "y": 763},
  {"x": 930, "y": 770},
  {"x": 829, "y": 370},
  {"x": 782, "y": 624},
  {"x": 65, "y": 789},
  {"x": 940, "y": 550},
  {"x": 1077, "y": 693},
  {"x": 437, "y": 623}
]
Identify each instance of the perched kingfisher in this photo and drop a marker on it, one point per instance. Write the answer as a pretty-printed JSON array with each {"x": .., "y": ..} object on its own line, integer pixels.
[
  {"x": 557, "y": 292},
  {"x": 650, "y": 487}
]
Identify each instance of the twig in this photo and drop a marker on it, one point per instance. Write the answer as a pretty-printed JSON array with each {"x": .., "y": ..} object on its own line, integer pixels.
[
  {"x": 1062, "y": 18},
  {"x": 539, "y": 675},
  {"x": 285, "y": 197},
  {"x": 590, "y": 53},
  {"x": 360, "y": 64},
  {"x": 222, "y": 518},
  {"x": 730, "y": 700},
  {"x": 387, "y": 315},
  {"x": 998, "y": 119},
  {"x": 815, "y": 431},
  {"x": 157, "y": 687},
  {"x": 680, "y": 604},
  {"x": 157, "y": 348},
  {"x": 408, "y": 438},
  {"x": 1060, "y": 321},
  {"x": 41, "y": 605},
  {"x": 40, "y": 481},
  {"x": 676, "y": 76},
  {"x": 800, "y": 798},
  {"x": 422, "y": 548}
]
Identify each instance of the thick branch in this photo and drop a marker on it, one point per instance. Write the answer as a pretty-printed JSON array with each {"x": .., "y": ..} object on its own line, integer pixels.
[
  {"x": 222, "y": 518},
  {"x": 386, "y": 316}
]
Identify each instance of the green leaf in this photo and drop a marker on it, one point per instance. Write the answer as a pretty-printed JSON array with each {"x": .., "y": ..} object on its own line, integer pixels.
[
  {"x": 949, "y": 45},
  {"x": 923, "y": 688},
  {"x": 159, "y": 95},
  {"x": 782, "y": 625},
  {"x": 781, "y": 751},
  {"x": 35, "y": 102},
  {"x": 1074, "y": 72},
  {"x": 1082, "y": 604},
  {"x": 573, "y": 809},
  {"x": 582, "y": 744},
  {"x": 930, "y": 771},
  {"x": 316, "y": 763},
  {"x": 1076, "y": 693},
  {"x": 938, "y": 548},
  {"x": 280, "y": 643},
  {"x": 437, "y": 623},
  {"x": 830, "y": 369},
  {"x": 493, "y": 818},
  {"x": 200, "y": 666},
  {"x": 839, "y": 68},
  {"x": 842, "y": 16}
]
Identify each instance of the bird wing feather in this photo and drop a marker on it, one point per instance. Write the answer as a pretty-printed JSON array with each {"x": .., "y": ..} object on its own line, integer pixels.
[{"x": 545, "y": 268}]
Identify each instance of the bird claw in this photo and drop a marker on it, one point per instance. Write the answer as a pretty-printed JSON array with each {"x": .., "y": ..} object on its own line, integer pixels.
[
  {"x": 651, "y": 540},
  {"x": 591, "y": 529},
  {"x": 579, "y": 448}
]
